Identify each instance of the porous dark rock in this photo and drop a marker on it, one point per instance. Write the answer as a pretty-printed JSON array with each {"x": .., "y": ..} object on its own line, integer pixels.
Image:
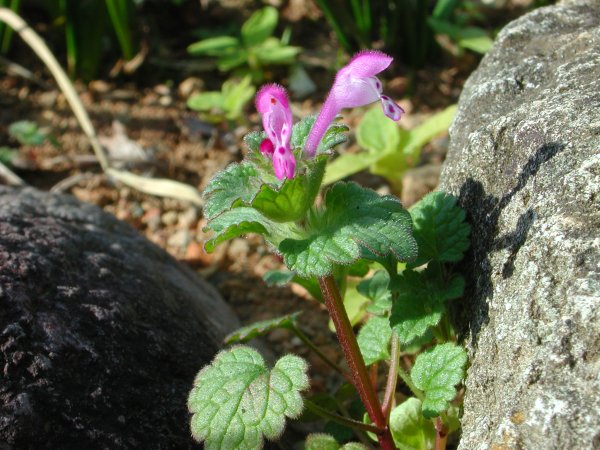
[
  {"x": 524, "y": 160},
  {"x": 101, "y": 332}
]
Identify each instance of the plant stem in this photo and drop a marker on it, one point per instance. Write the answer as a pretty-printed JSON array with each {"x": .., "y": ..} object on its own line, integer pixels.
[
  {"x": 359, "y": 372},
  {"x": 392, "y": 379},
  {"x": 326, "y": 414},
  {"x": 441, "y": 434},
  {"x": 306, "y": 340}
]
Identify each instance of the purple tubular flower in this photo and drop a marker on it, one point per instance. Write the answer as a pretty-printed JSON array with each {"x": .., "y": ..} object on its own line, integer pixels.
[
  {"x": 272, "y": 103},
  {"x": 355, "y": 85}
]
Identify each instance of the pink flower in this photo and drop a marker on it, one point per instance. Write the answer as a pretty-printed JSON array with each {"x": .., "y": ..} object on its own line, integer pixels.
[
  {"x": 272, "y": 103},
  {"x": 355, "y": 85}
]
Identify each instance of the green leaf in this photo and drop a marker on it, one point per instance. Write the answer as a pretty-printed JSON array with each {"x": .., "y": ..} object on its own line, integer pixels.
[
  {"x": 261, "y": 328},
  {"x": 420, "y": 302},
  {"x": 335, "y": 135},
  {"x": 7, "y": 155},
  {"x": 292, "y": 199},
  {"x": 440, "y": 229},
  {"x": 353, "y": 217},
  {"x": 205, "y": 101},
  {"x": 216, "y": 46},
  {"x": 253, "y": 140},
  {"x": 374, "y": 340},
  {"x": 393, "y": 164},
  {"x": 26, "y": 132},
  {"x": 237, "y": 222},
  {"x": 278, "y": 277},
  {"x": 235, "y": 95},
  {"x": 233, "y": 59},
  {"x": 377, "y": 290},
  {"x": 323, "y": 441},
  {"x": 436, "y": 372},
  {"x": 283, "y": 277},
  {"x": 410, "y": 430},
  {"x": 273, "y": 52},
  {"x": 300, "y": 131},
  {"x": 236, "y": 401},
  {"x": 376, "y": 133},
  {"x": 259, "y": 26},
  {"x": 472, "y": 38},
  {"x": 236, "y": 182},
  {"x": 348, "y": 164}
]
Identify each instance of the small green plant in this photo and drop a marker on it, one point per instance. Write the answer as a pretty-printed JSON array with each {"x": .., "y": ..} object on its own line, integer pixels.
[
  {"x": 237, "y": 401},
  {"x": 27, "y": 133},
  {"x": 390, "y": 149},
  {"x": 254, "y": 49},
  {"x": 224, "y": 105}
]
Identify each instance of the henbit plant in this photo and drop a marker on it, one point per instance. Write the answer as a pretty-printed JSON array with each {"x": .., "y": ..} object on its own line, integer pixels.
[
  {"x": 390, "y": 149},
  {"x": 237, "y": 401},
  {"x": 226, "y": 104},
  {"x": 254, "y": 49}
]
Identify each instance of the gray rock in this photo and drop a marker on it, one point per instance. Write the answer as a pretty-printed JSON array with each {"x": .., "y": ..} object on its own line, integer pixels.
[
  {"x": 525, "y": 162},
  {"x": 101, "y": 332}
]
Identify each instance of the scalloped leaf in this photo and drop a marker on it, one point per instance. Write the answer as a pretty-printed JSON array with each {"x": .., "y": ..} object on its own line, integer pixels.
[
  {"x": 353, "y": 218},
  {"x": 436, "y": 372},
  {"x": 261, "y": 328},
  {"x": 420, "y": 302},
  {"x": 323, "y": 441},
  {"x": 300, "y": 131},
  {"x": 236, "y": 182},
  {"x": 253, "y": 140},
  {"x": 236, "y": 401},
  {"x": 237, "y": 222},
  {"x": 335, "y": 134},
  {"x": 377, "y": 290},
  {"x": 440, "y": 229},
  {"x": 374, "y": 340},
  {"x": 410, "y": 430},
  {"x": 292, "y": 199}
]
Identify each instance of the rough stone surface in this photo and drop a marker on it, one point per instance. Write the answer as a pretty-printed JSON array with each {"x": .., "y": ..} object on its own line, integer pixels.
[
  {"x": 525, "y": 161},
  {"x": 101, "y": 332}
]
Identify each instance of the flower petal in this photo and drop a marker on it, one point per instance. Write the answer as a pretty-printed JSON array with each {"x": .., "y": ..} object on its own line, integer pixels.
[
  {"x": 284, "y": 163},
  {"x": 267, "y": 148},
  {"x": 266, "y": 94},
  {"x": 391, "y": 109},
  {"x": 366, "y": 63}
]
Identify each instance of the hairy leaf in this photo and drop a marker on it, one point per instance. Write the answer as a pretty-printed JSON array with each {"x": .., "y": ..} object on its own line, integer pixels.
[
  {"x": 237, "y": 401},
  {"x": 323, "y": 441},
  {"x": 410, "y": 430},
  {"x": 353, "y": 217},
  {"x": 237, "y": 222},
  {"x": 292, "y": 199},
  {"x": 236, "y": 182},
  {"x": 420, "y": 302},
  {"x": 377, "y": 290},
  {"x": 261, "y": 328},
  {"x": 374, "y": 340},
  {"x": 436, "y": 372},
  {"x": 440, "y": 229}
]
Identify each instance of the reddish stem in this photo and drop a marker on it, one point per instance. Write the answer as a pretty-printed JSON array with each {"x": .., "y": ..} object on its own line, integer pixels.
[
  {"x": 441, "y": 435},
  {"x": 360, "y": 375}
]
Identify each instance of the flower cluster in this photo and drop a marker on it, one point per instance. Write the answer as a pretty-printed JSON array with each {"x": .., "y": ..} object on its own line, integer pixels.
[{"x": 355, "y": 85}]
